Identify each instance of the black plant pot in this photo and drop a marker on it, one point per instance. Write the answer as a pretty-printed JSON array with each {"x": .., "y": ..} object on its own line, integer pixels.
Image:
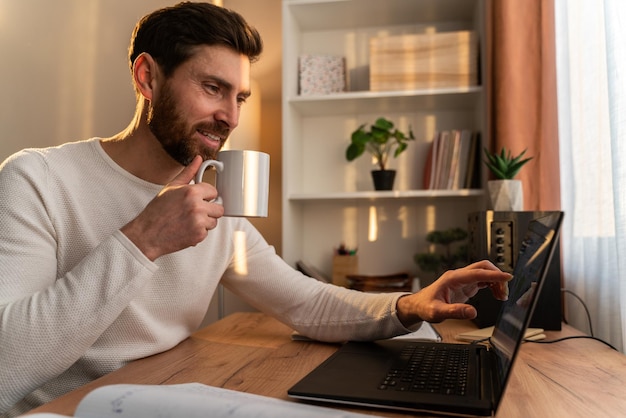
[{"x": 383, "y": 179}]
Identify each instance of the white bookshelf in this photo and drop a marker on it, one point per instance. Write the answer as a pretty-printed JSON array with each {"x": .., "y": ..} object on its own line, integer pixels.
[{"x": 327, "y": 200}]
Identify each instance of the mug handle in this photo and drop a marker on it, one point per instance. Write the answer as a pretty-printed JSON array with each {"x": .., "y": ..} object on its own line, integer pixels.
[{"x": 219, "y": 167}]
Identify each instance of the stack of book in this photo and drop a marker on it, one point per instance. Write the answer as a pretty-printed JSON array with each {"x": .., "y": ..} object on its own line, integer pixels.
[{"x": 453, "y": 161}]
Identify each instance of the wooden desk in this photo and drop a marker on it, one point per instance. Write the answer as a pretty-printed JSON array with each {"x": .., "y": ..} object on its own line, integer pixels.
[{"x": 254, "y": 353}]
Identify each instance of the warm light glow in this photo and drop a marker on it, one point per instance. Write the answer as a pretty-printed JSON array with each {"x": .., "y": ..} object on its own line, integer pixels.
[
  {"x": 247, "y": 134},
  {"x": 251, "y": 191},
  {"x": 430, "y": 124},
  {"x": 372, "y": 234},
  {"x": 404, "y": 177},
  {"x": 241, "y": 256},
  {"x": 403, "y": 217},
  {"x": 351, "y": 171},
  {"x": 349, "y": 235},
  {"x": 431, "y": 217}
]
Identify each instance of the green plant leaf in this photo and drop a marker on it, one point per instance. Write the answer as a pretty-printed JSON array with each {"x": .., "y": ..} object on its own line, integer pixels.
[
  {"x": 515, "y": 168},
  {"x": 503, "y": 165},
  {"x": 383, "y": 124},
  {"x": 380, "y": 141},
  {"x": 354, "y": 151},
  {"x": 360, "y": 137},
  {"x": 401, "y": 147},
  {"x": 380, "y": 136}
]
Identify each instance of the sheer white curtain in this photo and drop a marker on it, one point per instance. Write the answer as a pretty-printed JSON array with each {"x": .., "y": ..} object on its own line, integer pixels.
[{"x": 591, "y": 74}]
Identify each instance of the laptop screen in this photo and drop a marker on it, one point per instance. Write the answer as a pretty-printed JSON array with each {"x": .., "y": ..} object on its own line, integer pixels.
[{"x": 530, "y": 269}]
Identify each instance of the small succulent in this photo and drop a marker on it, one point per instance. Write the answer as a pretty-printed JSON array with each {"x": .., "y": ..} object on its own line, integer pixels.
[
  {"x": 503, "y": 165},
  {"x": 379, "y": 141}
]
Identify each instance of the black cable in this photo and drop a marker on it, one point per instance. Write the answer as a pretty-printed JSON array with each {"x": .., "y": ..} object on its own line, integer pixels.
[
  {"x": 564, "y": 338},
  {"x": 570, "y": 338},
  {"x": 584, "y": 306},
  {"x": 592, "y": 337}
]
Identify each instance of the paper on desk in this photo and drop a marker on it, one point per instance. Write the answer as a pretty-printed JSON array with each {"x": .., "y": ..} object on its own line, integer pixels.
[
  {"x": 425, "y": 333},
  {"x": 533, "y": 334},
  {"x": 191, "y": 400}
]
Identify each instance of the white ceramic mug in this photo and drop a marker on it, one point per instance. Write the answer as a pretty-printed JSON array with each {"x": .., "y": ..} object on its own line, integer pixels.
[{"x": 242, "y": 181}]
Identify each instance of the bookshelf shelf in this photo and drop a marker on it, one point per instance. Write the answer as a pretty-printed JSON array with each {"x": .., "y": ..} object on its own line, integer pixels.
[
  {"x": 347, "y": 103},
  {"x": 328, "y": 200},
  {"x": 390, "y": 194}
]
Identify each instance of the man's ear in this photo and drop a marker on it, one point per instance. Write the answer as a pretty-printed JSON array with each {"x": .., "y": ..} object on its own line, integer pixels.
[{"x": 145, "y": 71}]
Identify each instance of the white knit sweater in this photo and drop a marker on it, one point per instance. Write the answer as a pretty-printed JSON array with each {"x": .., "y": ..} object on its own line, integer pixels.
[{"x": 79, "y": 300}]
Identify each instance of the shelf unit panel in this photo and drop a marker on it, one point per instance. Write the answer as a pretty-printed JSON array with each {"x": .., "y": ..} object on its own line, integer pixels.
[
  {"x": 327, "y": 200},
  {"x": 386, "y": 233},
  {"x": 320, "y": 163},
  {"x": 338, "y": 14},
  {"x": 387, "y": 194},
  {"x": 465, "y": 98}
]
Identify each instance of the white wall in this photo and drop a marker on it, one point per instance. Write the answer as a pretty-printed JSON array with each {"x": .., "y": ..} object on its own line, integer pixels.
[{"x": 64, "y": 74}]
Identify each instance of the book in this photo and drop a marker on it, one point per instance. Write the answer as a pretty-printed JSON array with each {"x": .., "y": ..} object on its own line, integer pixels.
[
  {"x": 451, "y": 162},
  {"x": 454, "y": 157},
  {"x": 460, "y": 174},
  {"x": 190, "y": 400},
  {"x": 443, "y": 160},
  {"x": 428, "y": 165}
]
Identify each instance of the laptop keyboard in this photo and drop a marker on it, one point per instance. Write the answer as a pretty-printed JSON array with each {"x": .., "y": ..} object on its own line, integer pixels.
[{"x": 424, "y": 368}]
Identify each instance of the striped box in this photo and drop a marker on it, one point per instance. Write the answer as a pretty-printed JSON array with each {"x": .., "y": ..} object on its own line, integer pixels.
[{"x": 424, "y": 61}]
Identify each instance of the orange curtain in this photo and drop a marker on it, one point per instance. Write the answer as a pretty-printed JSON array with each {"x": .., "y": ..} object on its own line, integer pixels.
[{"x": 521, "y": 93}]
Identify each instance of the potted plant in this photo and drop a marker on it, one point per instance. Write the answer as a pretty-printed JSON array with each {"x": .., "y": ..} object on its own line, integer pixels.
[
  {"x": 381, "y": 140},
  {"x": 454, "y": 252},
  {"x": 505, "y": 192}
]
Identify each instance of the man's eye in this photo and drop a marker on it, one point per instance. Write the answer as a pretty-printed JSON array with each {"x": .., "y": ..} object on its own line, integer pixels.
[{"x": 212, "y": 88}]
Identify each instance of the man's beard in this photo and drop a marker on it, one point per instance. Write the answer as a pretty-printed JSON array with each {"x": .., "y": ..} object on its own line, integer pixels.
[{"x": 175, "y": 136}]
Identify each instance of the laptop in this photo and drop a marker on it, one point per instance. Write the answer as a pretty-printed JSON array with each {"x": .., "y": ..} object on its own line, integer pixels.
[{"x": 389, "y": 374}]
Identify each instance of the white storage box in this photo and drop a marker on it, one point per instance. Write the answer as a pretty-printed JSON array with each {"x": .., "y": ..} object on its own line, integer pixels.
[{"x": 321, "y": 74}]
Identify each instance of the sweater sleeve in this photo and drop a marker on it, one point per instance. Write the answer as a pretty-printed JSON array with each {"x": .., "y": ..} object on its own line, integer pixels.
[
  {"x": 318, "y": 310},
  {"x": 48, "y": 322}
]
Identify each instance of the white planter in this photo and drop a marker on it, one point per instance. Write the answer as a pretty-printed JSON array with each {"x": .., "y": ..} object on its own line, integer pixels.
[{"x": 506, "y": 195}]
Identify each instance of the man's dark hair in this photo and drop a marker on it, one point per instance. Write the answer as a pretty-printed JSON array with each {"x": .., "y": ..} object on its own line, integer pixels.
[{"x": 171, "y": 34}]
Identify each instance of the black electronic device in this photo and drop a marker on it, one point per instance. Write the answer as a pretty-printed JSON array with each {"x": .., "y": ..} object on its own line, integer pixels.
[
  {"x": 497, "y": 236},
  {"x": 438, "y": 377}
]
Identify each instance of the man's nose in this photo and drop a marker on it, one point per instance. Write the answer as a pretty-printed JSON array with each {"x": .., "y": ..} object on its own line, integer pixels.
[{"x": 228, "y": 113}]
